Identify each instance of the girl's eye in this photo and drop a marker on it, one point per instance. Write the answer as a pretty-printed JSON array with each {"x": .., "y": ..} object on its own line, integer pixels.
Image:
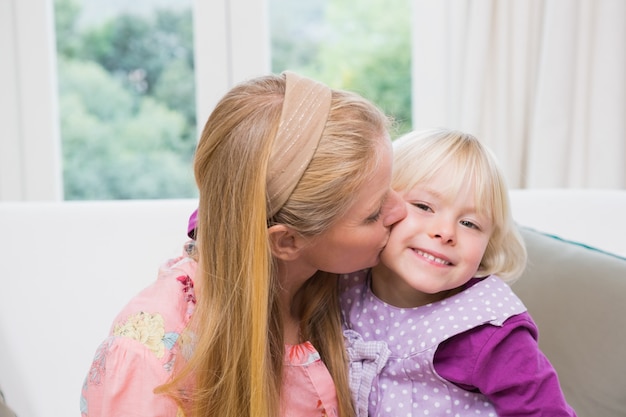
[
  {"x": 469, "y": 224},
  {"x": 422, "y": 206}
]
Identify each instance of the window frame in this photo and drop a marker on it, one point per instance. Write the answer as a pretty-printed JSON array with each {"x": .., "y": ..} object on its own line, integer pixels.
[{"x": 30, "y": 153}]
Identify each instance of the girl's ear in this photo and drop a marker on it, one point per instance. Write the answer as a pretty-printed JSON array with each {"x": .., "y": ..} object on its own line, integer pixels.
[{"x": 284, "y": 242}]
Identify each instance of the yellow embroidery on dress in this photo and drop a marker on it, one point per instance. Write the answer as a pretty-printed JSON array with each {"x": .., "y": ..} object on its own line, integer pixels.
[
  {"x": 148, "y": 329},
  {"x": 187, "y": 343}
]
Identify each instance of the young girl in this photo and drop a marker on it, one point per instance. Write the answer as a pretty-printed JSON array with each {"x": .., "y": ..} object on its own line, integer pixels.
[{"x": 434, "y": 330}]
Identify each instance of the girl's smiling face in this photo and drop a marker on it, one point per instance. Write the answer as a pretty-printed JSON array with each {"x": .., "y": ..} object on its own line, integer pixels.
[{"x": 437, "y": 247}]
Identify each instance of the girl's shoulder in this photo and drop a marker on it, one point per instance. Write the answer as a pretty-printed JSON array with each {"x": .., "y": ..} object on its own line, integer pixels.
[{"x": 353, "y": 280}]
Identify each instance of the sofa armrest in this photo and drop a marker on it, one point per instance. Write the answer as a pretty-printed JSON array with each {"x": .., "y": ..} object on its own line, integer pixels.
[{"x": 577, "y": 296}]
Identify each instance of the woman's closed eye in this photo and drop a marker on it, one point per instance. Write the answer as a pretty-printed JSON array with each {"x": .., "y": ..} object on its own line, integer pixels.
[{"x": 374, "y": 217}]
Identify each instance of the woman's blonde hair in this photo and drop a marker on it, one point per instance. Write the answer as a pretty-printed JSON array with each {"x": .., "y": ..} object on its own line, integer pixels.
[
  {"x": 421, "y": 155},
  {"x": 236, "y": 366}
]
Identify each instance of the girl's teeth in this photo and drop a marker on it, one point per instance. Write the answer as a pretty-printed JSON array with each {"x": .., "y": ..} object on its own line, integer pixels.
[{"x": 432, "y": 258}]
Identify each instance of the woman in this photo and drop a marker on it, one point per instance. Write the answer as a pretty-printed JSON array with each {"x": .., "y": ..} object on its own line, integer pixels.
[{"x": 294, "y": 181}]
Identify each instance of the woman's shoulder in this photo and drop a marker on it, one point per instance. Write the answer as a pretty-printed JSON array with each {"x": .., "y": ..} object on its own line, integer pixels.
[
  {"x": 142, "y": 345},
  {"x": 152, "y": 321},
  {"x": 169, "y": 301}
]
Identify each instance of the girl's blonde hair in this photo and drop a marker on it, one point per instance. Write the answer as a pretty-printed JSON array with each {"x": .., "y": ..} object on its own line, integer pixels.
[
  {"x": 236, "y": 366},
  {"x": 421, "y": 155}
]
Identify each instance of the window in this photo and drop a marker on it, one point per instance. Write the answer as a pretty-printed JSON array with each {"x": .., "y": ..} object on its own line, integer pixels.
[
  {"x": 121, "y": 123},
  {"x": 126, "y": 82},
  {"x": 362, "y": 46},
  {"x": 126, "y": 98},
  {"x": 489, "y": 70}
]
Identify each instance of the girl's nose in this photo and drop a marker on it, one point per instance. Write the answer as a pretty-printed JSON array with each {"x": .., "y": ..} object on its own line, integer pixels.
[
  {"x": 394, "y": 210},
  {"x": 444, "y": 231}
]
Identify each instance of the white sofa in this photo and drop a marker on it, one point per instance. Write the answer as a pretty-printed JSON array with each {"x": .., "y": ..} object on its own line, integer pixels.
[{"x": 67, "y": 268}]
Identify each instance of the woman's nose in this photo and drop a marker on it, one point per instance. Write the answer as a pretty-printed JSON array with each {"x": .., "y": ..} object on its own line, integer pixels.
[{"x": 395, "y": 209}]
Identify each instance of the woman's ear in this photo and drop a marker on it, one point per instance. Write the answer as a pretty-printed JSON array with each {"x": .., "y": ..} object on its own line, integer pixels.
[{"x": 285, "y": 242}]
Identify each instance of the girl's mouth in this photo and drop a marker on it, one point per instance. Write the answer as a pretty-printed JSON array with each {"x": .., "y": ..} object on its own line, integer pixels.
[{"x": 432, "y": 258}]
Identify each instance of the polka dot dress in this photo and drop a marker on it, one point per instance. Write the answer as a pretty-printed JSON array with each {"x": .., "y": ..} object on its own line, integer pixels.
[{"x": 399, "y": 380}]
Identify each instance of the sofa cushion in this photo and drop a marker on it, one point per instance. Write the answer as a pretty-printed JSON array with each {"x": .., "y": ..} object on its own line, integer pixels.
[{"x": 577, "y": 296}]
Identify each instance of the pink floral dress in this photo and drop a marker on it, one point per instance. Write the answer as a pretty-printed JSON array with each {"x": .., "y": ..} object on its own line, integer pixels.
[
  {"x": 308, "y": 389},
  {"x": 150, "y": 332}
]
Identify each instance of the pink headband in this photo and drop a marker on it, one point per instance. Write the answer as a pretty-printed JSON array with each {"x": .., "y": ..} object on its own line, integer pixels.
[{"x": 302, "y": 121}]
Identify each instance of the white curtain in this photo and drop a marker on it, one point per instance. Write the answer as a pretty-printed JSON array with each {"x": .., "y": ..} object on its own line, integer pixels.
[{"x": 542, "y": 82}]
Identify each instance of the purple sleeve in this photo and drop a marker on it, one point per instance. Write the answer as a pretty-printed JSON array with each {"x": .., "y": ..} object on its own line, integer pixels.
[
  {"x": 506, "y": 365},
  {"x": 192, "y": 224}
]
